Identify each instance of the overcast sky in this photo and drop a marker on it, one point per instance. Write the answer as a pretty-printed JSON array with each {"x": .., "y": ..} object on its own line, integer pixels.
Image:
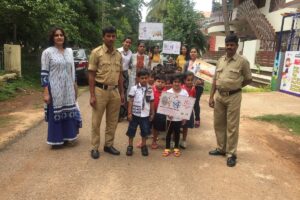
[{"x": 201, "y": 5}]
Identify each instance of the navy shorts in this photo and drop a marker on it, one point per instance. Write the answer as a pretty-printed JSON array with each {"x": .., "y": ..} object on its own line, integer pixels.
[
  {"x": 159, "y": 122},
  {"x": 144, "y": 124}
]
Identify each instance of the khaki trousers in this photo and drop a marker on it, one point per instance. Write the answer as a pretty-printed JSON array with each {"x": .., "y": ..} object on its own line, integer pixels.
[
  {"x": 226, "y": 121},
  {"x": 109, "y": 101}
]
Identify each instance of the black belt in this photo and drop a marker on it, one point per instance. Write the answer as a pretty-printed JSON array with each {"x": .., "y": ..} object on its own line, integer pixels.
[
  {"x": 228, "y": 93},
  {"x": 105, "y": 87}
]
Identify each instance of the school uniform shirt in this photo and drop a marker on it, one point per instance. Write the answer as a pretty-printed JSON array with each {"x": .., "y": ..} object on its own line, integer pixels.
[
  {"x": 126, "y": 58},
  {"x": 142, "y": 96},
  {"x": 157, "y": 94},
  {"x": 191, "y": 91},
  {"x": 182, "y": 92}
]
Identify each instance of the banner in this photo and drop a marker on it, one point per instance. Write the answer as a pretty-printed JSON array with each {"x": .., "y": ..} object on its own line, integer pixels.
[
  {"x": 290, "y": 76},
  {"x": 175, "y": 105},
  {"x": 150, "y": 31},
  {"x": 171, "y": 47},
  {"x": 203, "y": 70}
]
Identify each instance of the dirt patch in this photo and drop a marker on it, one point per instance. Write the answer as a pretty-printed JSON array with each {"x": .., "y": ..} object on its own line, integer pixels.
[
  {"x": 19, "y": 114},
  {"x": 27, "y": 99},
  {"x": 278, "y": 140}
]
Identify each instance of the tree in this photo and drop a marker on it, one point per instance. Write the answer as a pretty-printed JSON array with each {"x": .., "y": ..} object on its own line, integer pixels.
[
  {"x": 225, "y": 16},
  {"x": 28, "y": 21},
  {"x": 181, "y": 23},
  {"x": 157, "y": 10}
]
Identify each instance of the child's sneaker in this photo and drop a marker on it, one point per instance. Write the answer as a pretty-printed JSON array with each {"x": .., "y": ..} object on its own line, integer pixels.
[
  {"x": 129, "y": 151},
  {"x": 182, "y": 144},
  {"x": 172, "y": 144},
  {"x": 144, "y": 150}
]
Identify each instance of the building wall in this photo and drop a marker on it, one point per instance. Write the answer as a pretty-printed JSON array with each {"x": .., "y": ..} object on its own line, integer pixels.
[
  {"x": 220, "y": 42},
  {"x": 249, "y": 51},
  {"x": 275, "y": 17}
]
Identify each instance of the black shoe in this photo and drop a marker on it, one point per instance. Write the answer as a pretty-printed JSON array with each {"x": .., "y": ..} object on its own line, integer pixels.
[
  {"x": 144, "y": 150},
  {"x": 231, "y": 161},
  {"x": 129, "y": 151},
  {"x": 95, "y": 154},
  {"x": 216, "y": 152},
  {"x": 111, "y": 150}
]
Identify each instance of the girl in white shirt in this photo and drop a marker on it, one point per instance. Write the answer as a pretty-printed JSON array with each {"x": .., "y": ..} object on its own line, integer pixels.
[{"x": 175, "y": 123}]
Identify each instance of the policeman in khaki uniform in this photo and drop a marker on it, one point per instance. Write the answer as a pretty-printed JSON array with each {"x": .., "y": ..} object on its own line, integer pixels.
[
  {"x": 232, "y": 73},
  {"x": 106, "y": 91}
]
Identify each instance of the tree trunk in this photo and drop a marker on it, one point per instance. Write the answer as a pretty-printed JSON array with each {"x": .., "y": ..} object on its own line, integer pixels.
[{"x": 225, "y": 16}]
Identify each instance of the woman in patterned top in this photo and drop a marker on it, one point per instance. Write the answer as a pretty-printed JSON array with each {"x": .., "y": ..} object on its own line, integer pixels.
[
  {"x": 58, "y": 81},
  {"x": 139, "y": 60}
]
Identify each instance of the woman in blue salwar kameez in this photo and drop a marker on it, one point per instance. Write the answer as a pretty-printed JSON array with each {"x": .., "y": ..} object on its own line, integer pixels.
[{"x": 58, "y": 80}]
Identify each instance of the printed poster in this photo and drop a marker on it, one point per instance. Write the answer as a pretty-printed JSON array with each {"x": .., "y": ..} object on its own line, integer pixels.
[
  {"x": 203, "y": 70},
  {"x": 290, "y": 76},
  {"x": 150, "y": 31},
  {"x": 171, "y": 47},
  {"x": 176, "y": 105}
]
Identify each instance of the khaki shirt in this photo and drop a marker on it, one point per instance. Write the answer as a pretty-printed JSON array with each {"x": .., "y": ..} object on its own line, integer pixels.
[
  {"x": 108, "y": 66},
  {"x": 230, "y": 73}
]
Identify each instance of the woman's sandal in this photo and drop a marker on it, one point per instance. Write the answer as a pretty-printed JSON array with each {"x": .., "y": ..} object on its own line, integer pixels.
[
  {"x": 166, "y": 152},
  {"x": 176, "y": 152}
]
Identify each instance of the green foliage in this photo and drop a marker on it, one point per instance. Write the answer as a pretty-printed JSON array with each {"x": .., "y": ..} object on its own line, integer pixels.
[
  {"x": 249, "y": 89},
  {"x": 181, "y": 21},
  {"x": 28, "y": 22},
  {"x": 290, "y": 122},
  {"x": 14, "y": 87}
]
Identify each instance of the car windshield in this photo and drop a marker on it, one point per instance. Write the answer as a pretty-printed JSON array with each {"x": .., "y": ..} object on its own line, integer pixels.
[{"x": 79, "y": 54}]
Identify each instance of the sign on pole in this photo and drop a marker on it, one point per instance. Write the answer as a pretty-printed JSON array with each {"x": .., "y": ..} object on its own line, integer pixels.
[
  {"x": 171, "y": 47},
  {"x": 174, "y": 105},
  {"x": 150, "y": 31},
  {"x": 203, "y": 70}
]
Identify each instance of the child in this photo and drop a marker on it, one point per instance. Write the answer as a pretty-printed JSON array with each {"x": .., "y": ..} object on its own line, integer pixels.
[
  {"x": 151, "y": 79},
  {"x": 168, "y": 84},
  {"x": 159, "y": 121},
  {"x": 175, "y": 123},
  {"x": 189, "y": 87},
  {"x": 140, "y": 106}
]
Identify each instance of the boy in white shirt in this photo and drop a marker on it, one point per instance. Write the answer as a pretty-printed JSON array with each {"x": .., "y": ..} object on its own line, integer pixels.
[{"x": 140, "y": 111}]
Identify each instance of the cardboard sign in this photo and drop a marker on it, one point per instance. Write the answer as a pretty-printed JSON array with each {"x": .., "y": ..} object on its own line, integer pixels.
[
  {"x": 175, "y": 105},
  {"x": 203, "y": 70},
  {"x": 171, "y": 47},
  {"x": 150, "y": 31}
]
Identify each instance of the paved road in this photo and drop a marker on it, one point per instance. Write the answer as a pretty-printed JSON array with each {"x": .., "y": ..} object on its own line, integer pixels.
[{"x": 29, "y": 169}]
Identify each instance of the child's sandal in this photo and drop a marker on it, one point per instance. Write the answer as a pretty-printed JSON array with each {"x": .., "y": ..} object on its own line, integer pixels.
[
  {"x": 166, "y": 152},
  {"x": 176, "y": 152},
  {"x": 154, "y": 145}
]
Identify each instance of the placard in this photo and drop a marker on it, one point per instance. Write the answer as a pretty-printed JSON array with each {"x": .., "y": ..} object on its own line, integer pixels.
[
  {"x": 150, "y": 31},
  {"x": 171, "y": 47},
  {"x": 203, "y": 70},
  {"x": 174, "y": 105}
]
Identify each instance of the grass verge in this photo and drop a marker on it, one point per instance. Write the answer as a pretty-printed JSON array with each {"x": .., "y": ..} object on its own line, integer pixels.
[
  {"x": 290, "y": 122},
  {"x": 15, "y": 87}
]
